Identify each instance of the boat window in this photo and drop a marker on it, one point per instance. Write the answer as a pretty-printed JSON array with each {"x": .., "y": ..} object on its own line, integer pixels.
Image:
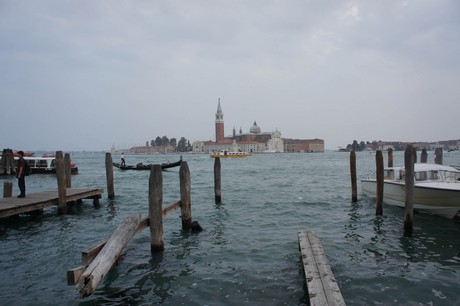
[
  {"x": 52, "y": 164},
  {"x": 31, "y": 163},
  {"x": 433, "y": 175},
  {"x": 41, "y": 163},
  {"x": 421, "y": 176}
]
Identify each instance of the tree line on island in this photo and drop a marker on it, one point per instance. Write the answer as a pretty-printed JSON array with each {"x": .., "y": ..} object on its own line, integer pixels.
[{"x": 164, "y": 142}]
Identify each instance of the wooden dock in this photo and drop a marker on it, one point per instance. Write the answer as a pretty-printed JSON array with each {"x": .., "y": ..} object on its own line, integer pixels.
[
  {"x": 322, "y": 286},
  {"x": 38, "y": 200}
]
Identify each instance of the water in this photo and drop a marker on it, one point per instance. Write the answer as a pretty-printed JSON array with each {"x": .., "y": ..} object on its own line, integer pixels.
[{"x": 248, "y": 252}]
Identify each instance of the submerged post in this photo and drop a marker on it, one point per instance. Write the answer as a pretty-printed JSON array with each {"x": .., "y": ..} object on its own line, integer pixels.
[
  {"x": 7, "y": 189},
  {"x": 424, "y": 156},
  {"x": 354, "y": 188},
  {"x": 185, "y": 199},
  {"x": 390, "y": 157},
  {"x": 379, "y": 180},
  {"x": 409, "y": 183},
  {"x": 155, "y": 208},
  {"x": 217, "y": 180},
  {"x": 109, "y": 175},
  {"x": 68, "y": 179},
  {"x": 438, "y": 156},
  {"x": 60, "y": 175}
]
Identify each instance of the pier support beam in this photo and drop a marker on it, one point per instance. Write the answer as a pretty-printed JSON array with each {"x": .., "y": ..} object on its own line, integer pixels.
[
  {"x": 7, "y": 189},
  {"x": 379, "y": 179},
  {"x": 155, "y": 208},
  {"x": 354, "y": 188},
  {"x": 109, "y": 175},
  {"x": 185, "y": 199},
  {"x": 409, "y": 185},
  {"x": 60, "y": 175},
  {"x": 217, "y": 181}
]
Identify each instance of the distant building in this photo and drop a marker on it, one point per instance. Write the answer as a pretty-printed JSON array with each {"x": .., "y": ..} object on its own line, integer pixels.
[{"x": 255, "y": 141}]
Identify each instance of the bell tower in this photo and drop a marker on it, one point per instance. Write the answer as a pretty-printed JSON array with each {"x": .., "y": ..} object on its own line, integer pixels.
[{"x": 219, "y": 124}]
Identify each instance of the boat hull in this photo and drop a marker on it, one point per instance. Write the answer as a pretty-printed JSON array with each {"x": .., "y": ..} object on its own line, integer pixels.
[{"x": 443, "y": 202}]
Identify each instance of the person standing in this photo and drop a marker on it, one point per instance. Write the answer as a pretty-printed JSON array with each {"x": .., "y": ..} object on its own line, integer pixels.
[
  {"x": 123, "y": 164},
  {"x": 21, "y": 175}
]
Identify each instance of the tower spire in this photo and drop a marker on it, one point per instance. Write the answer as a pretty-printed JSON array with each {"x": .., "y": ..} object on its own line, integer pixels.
[{"x": 219, "y": 123}]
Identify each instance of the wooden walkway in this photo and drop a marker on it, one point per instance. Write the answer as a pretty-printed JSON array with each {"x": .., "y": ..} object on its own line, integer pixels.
[
  {"x": 36, "y": 201},
  {"x": 322, "y": 286}
]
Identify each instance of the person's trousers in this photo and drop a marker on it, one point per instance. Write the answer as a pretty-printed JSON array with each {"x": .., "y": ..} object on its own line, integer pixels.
[{"x": 22, "y": 185}]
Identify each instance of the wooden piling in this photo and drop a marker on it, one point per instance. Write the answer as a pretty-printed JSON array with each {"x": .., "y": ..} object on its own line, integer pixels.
[
  {"x": 380, "y": 180},
  {"x": 354, "y": 188},
  {"x": 108, "y": 256},
  {"x": 390, "y": 157},
  {"x": 109, "y": 175},
  {"x": 414, "y": 152},
  {"x": 186, "y": 201},
  {"x": 60, "y": 175},
  {"x": 68, "y": 179},
  {"x": 217, "y": 181},
  {"x": 438, "y": 156},
  {"x": 423, "y": 156},
  {"x": 155, "y": 208},
  {"x": 409, "y": 185},
  {"x": 7, "y": 189}
]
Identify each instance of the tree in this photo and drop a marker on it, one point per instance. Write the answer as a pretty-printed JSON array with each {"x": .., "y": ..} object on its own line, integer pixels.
[
  {"x": 152, "y": 143},
  {"x": 165, "y": 140},
  {"x": 182, "y": 145},
  {"x": 173, "y": 142},
  {"x": 158, "y": 141},
  {"x": 147, "y": 143}
]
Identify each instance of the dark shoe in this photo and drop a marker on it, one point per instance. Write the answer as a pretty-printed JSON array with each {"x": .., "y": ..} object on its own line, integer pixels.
[{"x": 21, "y": 196}]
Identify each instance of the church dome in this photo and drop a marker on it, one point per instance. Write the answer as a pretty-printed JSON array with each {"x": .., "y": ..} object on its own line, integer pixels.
[{"x": 254, "y": 129}]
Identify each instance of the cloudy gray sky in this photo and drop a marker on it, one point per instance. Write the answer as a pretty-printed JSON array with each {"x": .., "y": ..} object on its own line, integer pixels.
[{"x": 87, "y": 75}]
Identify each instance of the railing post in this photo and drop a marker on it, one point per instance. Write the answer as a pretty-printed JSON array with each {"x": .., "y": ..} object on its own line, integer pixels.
[
  {"x": 155, "y": 208},
  {"x": 60, "y": 175},
  {"x": 109, "y": 175},
  {"x": 185, "y": 199}
]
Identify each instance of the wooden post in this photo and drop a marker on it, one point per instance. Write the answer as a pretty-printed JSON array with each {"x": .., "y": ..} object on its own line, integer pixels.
[
  {"x": 379, "y": 180},
  {"x": 7, "y": 189},
  {"x": 423, "y": 156},
  {"x": 185, "y": 199},
  {"x": 390, "y": 157},
  {"x": 109, "y": 175},
  {"x": 60, "y": 175},
  {"x": 414, "y": 151},
  {"x": 155, "y": 208},
  {"x": 68, "y": 179},
  {"x": 107, "y": 257},
  {"x": 409, "y": 183},
  {"x": 438, "y": 156},
  {"x": 354, "y": 188},
  {"x": 217, "y": 181}
]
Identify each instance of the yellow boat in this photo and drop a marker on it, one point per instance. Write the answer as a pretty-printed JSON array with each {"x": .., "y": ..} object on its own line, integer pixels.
[{"x": 228, "y": 154}]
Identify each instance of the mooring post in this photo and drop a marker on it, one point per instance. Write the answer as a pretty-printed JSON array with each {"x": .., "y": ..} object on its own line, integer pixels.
[
  {"x": 217, "y": 181},
  {"x": 379, "y": 180},
  {"x": 438, "y": 156},
  {"x": 409, "y": 182},
  {"x": 390, "y": 157},
  {"x": 156, "y": 209},
  {"x": 109, "y": 175},
  {"x": 7, "y": 189},
  {"x": 185, "y": 199},
  {"x": 414, "y": 151},
  {"x": 68, "y": 179},
  {"x": 354, "y": 188},
  {"x": 424, "y": 156},
  {"x": 60, "y": 175}
]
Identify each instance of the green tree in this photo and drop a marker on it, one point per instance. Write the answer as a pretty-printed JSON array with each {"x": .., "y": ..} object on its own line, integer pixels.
[
  {"x": 173, "y": 142},
  {"x": 165, "y": 140},
  {"x": 158, "y": 141},
  {"x": 182, "y": 145}
]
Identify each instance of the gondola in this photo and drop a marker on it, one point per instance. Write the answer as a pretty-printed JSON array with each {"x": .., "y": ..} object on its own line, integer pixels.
[{"x": 141, "y": 166}]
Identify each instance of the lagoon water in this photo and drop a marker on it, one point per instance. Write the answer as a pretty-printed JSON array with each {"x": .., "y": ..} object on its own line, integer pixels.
[{"x": 248, "y": 252}]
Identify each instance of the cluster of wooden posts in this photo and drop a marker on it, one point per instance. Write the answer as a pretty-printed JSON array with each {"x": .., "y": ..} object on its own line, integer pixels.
[
  {"x": 410, "y": 157},
  {"x": 7, "y": 164},
  {"x": 97, "y": 260}
]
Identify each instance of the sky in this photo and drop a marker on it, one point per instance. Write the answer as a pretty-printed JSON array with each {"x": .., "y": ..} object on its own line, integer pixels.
[{"x": 89, "y": 74}]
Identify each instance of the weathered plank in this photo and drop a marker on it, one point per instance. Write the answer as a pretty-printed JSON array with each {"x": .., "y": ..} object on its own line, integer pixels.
[
  {"x": 105, "y": 259},
  {"x": 322, "y": 285}
]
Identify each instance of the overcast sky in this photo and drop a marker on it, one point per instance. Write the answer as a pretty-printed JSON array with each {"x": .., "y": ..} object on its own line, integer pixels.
[{"x": 86, "y": 75}]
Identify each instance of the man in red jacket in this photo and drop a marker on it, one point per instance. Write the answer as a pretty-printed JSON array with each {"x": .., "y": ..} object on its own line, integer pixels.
[{"x": 20, "y": 174}]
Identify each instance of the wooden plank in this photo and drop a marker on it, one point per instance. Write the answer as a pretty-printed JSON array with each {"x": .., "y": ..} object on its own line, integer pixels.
[
  {"x": 99, "y": 267},
  {"x": 322, "y": 285}
]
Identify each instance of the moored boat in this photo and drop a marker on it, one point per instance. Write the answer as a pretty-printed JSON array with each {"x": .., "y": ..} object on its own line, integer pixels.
[
  {"x": 141, "y": 166},
  {"x": 45, "y": 165},
  {"x": 229, "y": 154},
  {"x": 436, "y": 188}
]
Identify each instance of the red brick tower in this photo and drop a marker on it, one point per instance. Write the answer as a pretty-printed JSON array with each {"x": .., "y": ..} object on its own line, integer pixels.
[{"x": 219, "y": 124}]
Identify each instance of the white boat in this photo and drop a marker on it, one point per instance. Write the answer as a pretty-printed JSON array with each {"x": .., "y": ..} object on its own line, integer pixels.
[
  {"x": 229, "y": 154},
  {"x": 436, "y": 188},
  {"x": 45, "y": 165}
]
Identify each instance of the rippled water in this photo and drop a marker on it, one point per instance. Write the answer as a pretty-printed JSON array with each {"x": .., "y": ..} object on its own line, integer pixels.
[{"x": 248, "y": 252}]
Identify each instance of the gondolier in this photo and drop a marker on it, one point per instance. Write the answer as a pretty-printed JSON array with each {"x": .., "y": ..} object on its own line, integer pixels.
[{"x": 123, "y": 163}]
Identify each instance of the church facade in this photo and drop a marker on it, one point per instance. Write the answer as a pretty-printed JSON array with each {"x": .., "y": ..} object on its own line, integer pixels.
[{"x": 254, "y": 141}]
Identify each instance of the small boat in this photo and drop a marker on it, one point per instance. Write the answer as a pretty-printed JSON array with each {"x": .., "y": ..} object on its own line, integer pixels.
[
  {"x": 436, "y": 188},
  {"x": 228, "y": 154},
  {"x": 141, "y": 166},
  {"x": 45, "y": 165}
]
